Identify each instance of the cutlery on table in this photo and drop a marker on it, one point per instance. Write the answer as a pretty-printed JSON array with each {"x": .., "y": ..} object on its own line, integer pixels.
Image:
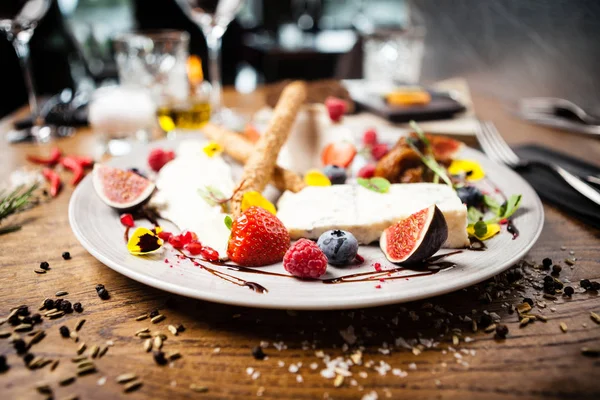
[{"x": 498, "y": 150}]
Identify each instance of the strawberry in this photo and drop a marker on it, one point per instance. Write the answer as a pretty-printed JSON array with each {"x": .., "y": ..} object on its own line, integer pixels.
[
  {"x": 159, "y": 157},
  {"x": 340, "y": 154},
  {"x": 336, "y": 108},
  {"x": 257, "y": 238}
]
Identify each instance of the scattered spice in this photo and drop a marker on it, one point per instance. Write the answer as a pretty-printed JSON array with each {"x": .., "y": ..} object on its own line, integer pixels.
[
  {"x": 547, "y": 263},
  {"x": 568, "y": 291},
  {"x": 556, "y": 268},
  {"x": 79, "y": 325},
  {"x": 154, "y": 313},
  {"x": 257, "y": 353},
  {"x": 563, "y": 327},
  {"x": 64, "y": 331},
  {"x": 67, "y": 381},
  {"x": 148, "y": 345},
  {"x": 81, "y": 349},
  {"x": 142, "y": 317},
  {"x": 591, "y": 351},
  {"x": 102, "y": 292},
  {"x": 66, "y": 255},
  {"x": 39, "y": 271},
  {"x": 131, "y": 386},
  {"x": 501, "y": 331},
  {"x": 174, "y": 355},
  {"x": 159, "y": 357},
  {"x": 157, "y": 319},
  {"x": 78, "y": 307},
  {"x": 198, "y": 388},
  {"x": 124, "y": 378},
  {"x": 61, "y": 293}
]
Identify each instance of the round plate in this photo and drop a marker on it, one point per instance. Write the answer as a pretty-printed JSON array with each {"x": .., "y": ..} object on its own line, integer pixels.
[{"x": 99, "y": 231}]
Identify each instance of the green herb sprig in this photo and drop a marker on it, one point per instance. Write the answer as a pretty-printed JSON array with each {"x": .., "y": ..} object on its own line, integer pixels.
[
  {"x": 13, "y": 202},
  {"x": 428, "y": 160}
]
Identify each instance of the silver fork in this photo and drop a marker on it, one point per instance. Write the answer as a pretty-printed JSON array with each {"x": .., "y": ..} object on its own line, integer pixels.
[{"x": 498, "y": 150}]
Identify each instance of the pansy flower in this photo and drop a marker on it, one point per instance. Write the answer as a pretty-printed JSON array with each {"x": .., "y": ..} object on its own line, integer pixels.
[
  {"x": 471, "y": 169},
  {"x": 144, "y": 241}
]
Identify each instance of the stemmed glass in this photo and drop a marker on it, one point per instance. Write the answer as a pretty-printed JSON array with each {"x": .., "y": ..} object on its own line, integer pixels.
[
  {"x": 18, "y": 19},
  {"x": 213, "y": 17}
]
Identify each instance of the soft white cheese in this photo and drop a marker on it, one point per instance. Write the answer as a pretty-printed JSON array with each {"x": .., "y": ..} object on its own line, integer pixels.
[
  {"x": 178, "y": 200},
  {"x": 365, "y": 213}
]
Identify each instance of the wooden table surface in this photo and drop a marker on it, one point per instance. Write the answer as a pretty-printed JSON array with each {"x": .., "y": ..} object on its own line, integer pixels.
[{"x": 538, "y": 361}]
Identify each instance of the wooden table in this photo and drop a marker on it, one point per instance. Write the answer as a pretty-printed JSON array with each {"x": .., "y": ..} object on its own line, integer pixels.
[{"x": 537, "y": 361}]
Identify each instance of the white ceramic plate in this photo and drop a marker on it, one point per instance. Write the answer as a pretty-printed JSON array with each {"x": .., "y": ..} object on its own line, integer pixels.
[{"x": 99, "y": 231}]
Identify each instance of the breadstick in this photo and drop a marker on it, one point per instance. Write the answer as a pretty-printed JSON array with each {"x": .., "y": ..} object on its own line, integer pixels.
[
  {"x": 239, "y": 148},
  {"x": 261, "y": 163}
]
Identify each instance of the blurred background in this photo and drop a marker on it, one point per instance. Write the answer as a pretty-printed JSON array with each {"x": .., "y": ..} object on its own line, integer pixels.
[{"x": 508, "y": 48}]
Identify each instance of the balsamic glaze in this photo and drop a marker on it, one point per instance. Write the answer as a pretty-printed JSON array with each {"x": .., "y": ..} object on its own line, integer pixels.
[
  {"x": 512, "y": 229},
  {"x": 476, "y": 244}
]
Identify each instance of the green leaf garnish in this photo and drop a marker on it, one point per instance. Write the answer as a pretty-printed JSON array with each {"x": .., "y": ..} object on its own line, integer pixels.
[
  {"x": 480, "y": 229},
  {"x": 377, "y": 184},
  {"x": 474, "y": 215},
  {"x": 428, "y": 160},
  {"x": 228, "y": 222},
  {"x": 507, "y": 209},
  {"x": 491, "y": 203},
  {"x": 419, "y": 133},
  {"x": 212, "y": 195}
]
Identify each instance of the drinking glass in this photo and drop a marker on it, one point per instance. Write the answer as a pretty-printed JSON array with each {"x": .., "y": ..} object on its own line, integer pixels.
[
  {"x": 18, "y": 19},
  {"x": 213, "y": 17}
]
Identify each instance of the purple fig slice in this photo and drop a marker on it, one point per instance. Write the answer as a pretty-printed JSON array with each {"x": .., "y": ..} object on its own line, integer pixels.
[
  {"x": 122, "y": 190},
  {"x": 415, "y": 238}
]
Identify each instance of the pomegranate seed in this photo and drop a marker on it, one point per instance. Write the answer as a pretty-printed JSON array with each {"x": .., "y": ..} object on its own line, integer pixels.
[
  {"x": 127, "y": 220},
  {"x": 175, "y": 241},
  {"x": 377, "y": 266},
  {"x": 209, "y": 254},
  {"x": 194, "y": 248},
  {"x": 165, "y": 235},
  {"x": 187, "y": 237}
]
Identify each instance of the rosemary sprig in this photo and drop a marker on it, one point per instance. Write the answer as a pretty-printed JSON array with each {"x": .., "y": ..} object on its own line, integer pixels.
[
  {"x": 428, "y": 160},
  {"x": 16, "y": 201}
]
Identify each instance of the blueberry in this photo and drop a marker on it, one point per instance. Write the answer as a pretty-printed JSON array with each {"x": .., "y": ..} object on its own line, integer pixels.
[
  {"x": 470, "y": 195},
  {"x": 340, "y": 247},
  {"x": 337, "y": 175}
]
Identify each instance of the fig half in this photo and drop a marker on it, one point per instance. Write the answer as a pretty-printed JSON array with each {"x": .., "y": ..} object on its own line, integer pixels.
[
  {"x": 415, "y": 238},
  {"x": 122, "y": 190}
]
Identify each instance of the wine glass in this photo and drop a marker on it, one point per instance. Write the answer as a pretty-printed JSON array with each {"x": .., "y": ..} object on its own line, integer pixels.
[
  {"x": 18, "y": 19},
  {"x": 213, "y": 17}
]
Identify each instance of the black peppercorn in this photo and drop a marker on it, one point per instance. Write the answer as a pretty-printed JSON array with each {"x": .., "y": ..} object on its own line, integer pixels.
[
  {"x": 36, "y": 318},
  {"x": 556, "y": 269},
  {"x": 99, "y": 287},
  {"x": 180, "y": 328},
  {"x": 64, "y": 331},
  {"x": 103, "y": 293},
  {"x": 19, "y": 345},
  {"x": 44, "y": 265},
  {"x": 568, "y": 291},
  {"x": 23, "y": 311},
  {"x": 257, "y": 353},
  {"x": 66, "y": 306},
  {"x": 14, "y": 319},
  {"x": 78, "y": 307},
  {"x": 548, "y": 278},
  {"x": 153, "y": 313},
  {"x": 159, "y": 358},
  {"x": 485, "y": 320},
  {"x": 585, "y": 283},
  {"x": 58, "y": 303},
  {"x": 27, "y": 320},
  {"x": 546, "y": 263},
  {"x": 66, "y": 255},
  {"x": 27, "y": 358},
  {"x": 595, "y": 286},
  {"x": 528, "y": 301},
  {"x": 501, "y": 331},
  {"x": 513, "y": 275},
  {"x": 558, "y": 285},
  {"x": 549, "y": 287},
  {"x": 3, "y": 365},
  {"x": 48, "y": 304}
]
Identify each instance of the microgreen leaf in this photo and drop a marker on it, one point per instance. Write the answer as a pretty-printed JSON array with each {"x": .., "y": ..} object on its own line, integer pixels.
[
  {"x": 474, "y": 215},
  {"x": 491, "y": 203},
  {"x": 431, "y": 163},
  {"x": 377, "y": 184},
  {"x": 212, "y": 195},
  {"x": 419, "y": 133},
  {"x": 228, "y": 222},
  {"x": 507, "y": 209},
  {"x": 480, "y": 229}
]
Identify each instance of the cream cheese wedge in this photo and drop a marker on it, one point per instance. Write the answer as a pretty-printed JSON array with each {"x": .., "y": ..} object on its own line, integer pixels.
[{"x": 365, "y": 213}]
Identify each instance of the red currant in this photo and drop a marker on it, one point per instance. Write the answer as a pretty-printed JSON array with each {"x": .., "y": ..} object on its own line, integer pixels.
[{"x": 127, "y": 220}]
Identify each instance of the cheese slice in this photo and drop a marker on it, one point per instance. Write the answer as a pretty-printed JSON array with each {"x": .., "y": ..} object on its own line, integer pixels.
[{"x": 365, "y": 213}]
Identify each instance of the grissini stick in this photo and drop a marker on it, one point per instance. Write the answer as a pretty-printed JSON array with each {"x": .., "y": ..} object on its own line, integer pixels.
[
  {"x": 261, "y": 163},
  {"x": 239, "y": 148}
]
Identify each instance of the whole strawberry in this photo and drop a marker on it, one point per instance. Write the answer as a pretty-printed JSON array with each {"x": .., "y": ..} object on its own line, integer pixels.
[
  {"x": 159, "y": 157},
  {"x": 257, "y": 238},
  {"x": 305, "y": 259}
]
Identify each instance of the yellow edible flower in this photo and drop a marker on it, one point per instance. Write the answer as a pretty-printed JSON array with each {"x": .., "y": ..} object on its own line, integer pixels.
[
  {"x": 212, "y": 149},
  {"x": 166, "y": 123},
  {"x": 472, "y": 169},
  {"x": 492, "y": 230},
  {"x": 314, "y": 177},
  {"x": 144, "y": 241},
  {"x": 253, "y": 198}
]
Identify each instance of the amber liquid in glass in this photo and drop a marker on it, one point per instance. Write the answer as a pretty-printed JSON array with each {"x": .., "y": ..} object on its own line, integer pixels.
[{"x": 183, "y": 116}]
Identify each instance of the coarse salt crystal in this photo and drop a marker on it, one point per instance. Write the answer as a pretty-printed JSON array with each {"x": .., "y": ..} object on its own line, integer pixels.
[
  {"x": 102, "y": 381},
  {"x": 314, "y": 366},
  {"x": 412, "y": 366},
  {"x": 249, "y": 370},
  {"x": 255, "y": 375},
  {"x": 299, "y": 378},
  {"x": 370, "y": 396}
]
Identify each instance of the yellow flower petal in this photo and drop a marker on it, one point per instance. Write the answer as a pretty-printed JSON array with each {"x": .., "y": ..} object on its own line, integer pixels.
[
  {"x": 492, "y": 230},
  {"x": 471, "y": 168},
  {"x": 166, "y": 123},
  {"x": 212, "y": 149},
  {"x": 253, "y": 198},
  {"x": 314, "y": 177},
  {"x": 144, "y": 241}
]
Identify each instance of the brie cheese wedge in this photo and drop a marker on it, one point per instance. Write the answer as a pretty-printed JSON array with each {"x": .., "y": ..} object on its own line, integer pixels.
[{"x": 366, "y": 213}]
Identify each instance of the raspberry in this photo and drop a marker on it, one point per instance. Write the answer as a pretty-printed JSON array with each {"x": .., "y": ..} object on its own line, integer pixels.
[
  {"x": 209, "y": 254},
  {"x": 127, "y": 220},
  {"x": 159, "y": 157},
  {"x": 379, "y": 150},
  {"x": 257, "y": 238},
  {"x": 368, "y": 171},
  {"x": 370, "y": 137},
  {"x": 335, "y": 107},
  {"x": 194, "y": 248},
  {"x": 305, "y": 260}
]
